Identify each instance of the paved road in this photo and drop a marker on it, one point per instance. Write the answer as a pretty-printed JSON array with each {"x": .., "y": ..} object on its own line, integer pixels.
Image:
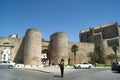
[
  {"x": 70, "y": 74},
  {"x": 21, "y": 74},
  {"x": 93, "y": 74}
]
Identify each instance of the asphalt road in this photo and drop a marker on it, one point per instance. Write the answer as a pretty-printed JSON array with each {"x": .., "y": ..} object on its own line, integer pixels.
[
  {"x": 21, "y": 74},
  {"x": 72, "y": 74},
  {"x": 93, "y": 74}
]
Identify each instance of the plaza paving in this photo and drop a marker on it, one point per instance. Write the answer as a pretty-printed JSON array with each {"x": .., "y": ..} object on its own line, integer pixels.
[{"x": 48, "y": 69}]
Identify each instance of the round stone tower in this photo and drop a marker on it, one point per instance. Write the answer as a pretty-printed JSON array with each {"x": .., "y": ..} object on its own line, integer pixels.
[
  {"x": 59, "y": 47},
  {"x": 32, "y": 47}
]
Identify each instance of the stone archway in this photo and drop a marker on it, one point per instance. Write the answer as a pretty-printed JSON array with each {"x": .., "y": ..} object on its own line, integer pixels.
[{"x": 45, "y": 56}]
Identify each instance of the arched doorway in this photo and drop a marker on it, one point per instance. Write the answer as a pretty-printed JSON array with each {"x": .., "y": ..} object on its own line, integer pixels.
[{"x": 45, "y": 57}]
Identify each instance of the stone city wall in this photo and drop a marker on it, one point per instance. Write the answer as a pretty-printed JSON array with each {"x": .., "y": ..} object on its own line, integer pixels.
[
  {"x": 32, "y": 48},
  {"x": 59, "y": 47},
  {"x": 27, "y": 50},
  {"x": 13, "y": 44},
  {"x": 82, "y": 53}
]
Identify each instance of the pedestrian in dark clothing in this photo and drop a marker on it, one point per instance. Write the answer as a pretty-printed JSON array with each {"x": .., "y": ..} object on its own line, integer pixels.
[{"x": 62, "y": 67}]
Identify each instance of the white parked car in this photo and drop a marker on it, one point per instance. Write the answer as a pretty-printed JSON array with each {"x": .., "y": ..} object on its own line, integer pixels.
[
  {"x": 7, "y": 64},
  {"x": 85, "y": 65}
]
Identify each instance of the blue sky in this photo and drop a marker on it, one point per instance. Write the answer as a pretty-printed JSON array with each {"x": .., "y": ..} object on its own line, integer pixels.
[{"x": 51, "y": 16}]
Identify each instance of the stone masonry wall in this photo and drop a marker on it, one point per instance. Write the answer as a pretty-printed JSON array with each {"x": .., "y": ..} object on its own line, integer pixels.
[
  {"x": 83, "y": 50},
  {"x": 28, "y": 50},
  {"x": 59, "y": 47},
  {"x": 13, "y": 44},
  {"x": 32, "y": 48}
]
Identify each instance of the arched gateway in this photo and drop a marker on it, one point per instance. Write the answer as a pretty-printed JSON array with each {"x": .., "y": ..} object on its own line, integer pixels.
[{"x": 45, "y": 56}]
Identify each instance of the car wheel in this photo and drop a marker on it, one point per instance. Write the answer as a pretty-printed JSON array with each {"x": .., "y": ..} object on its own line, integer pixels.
[
  {"x": 79, "y": 67},
  {"x": 10, "y": 66},
  {"x": 89, "y": 67}
]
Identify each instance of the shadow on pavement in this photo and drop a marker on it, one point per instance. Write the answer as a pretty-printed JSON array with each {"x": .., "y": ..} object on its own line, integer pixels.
[
  {"x": 118, "y": 72},
  {"x": 39, "y": 70},
  {"x": 56, "y": 76}
]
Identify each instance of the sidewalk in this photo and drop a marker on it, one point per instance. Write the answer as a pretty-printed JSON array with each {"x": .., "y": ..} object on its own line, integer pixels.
[{"x": 48, "y": 69}]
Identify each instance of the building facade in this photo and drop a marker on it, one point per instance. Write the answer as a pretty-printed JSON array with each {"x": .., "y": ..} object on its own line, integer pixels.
[{"x": 108, "y": 35}]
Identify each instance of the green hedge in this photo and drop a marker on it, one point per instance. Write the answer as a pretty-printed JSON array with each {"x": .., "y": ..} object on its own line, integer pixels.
[
  {"x": 102, "y": 65},
  {"x": 71, "y": 65}
]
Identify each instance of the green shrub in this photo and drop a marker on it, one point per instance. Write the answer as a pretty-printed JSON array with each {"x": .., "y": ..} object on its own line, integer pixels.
[
  {"x": 102, "y": 65},
  {"x": 71, "y": 65}
]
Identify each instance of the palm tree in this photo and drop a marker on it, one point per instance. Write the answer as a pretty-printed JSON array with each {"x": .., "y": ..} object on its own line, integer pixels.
[
  {"x": 99, "y": 49},
  {"x": 93, "y": 56},
  {"x": 115, "y": 48},
  {"x": 74, "y": 49},
  {"x": 111, "y": 57}
]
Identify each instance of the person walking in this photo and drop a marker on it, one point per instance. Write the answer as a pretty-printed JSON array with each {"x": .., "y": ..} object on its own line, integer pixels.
[{"x": 62, "y": 67}]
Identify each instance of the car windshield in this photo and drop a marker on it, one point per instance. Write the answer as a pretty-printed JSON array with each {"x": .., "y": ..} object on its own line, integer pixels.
[{"x": 85, "y": 63}]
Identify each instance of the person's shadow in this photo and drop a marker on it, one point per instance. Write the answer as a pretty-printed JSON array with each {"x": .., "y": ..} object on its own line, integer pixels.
[{"x": 56, "y": 76}]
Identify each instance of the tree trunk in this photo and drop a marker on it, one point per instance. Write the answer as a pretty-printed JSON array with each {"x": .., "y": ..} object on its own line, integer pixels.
[
  {"x": 116, "y": 56},
  {"x": 75, "y": 57}
]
